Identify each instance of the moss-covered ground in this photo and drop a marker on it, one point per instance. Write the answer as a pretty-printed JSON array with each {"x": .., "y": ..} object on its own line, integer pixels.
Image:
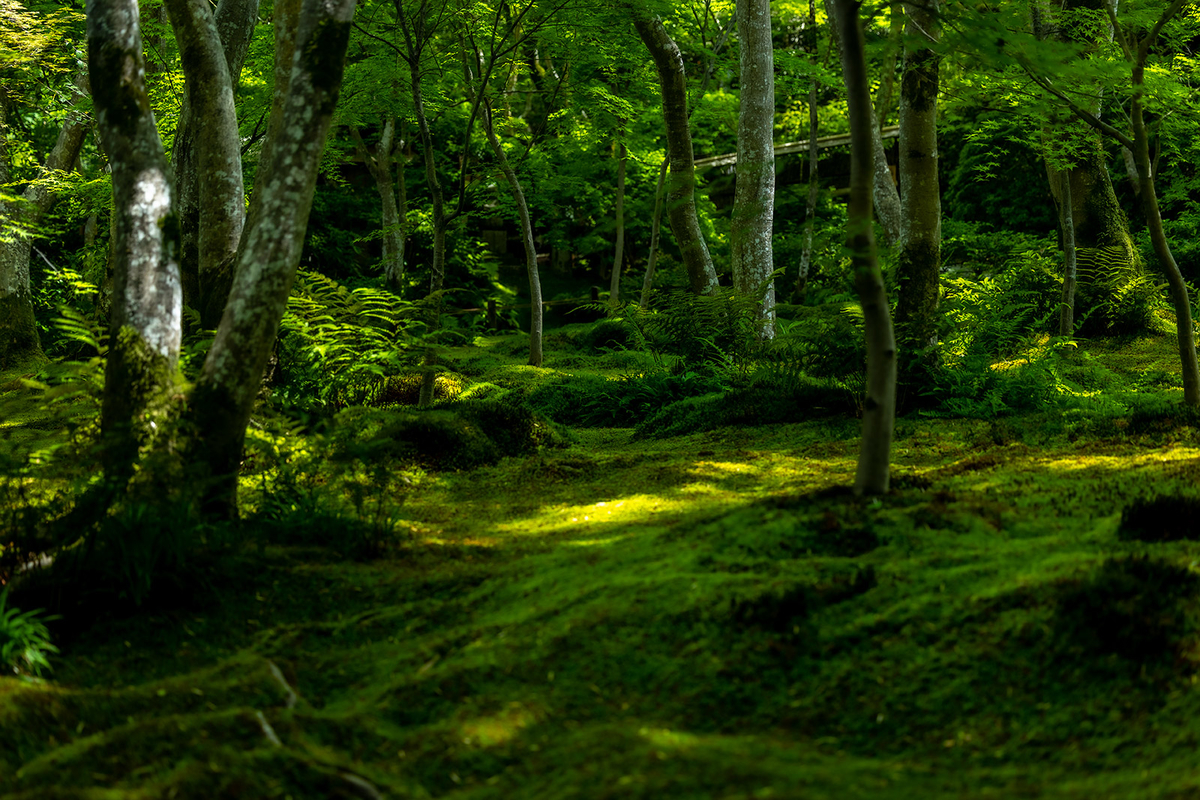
[{"x": 709, "y": 615}]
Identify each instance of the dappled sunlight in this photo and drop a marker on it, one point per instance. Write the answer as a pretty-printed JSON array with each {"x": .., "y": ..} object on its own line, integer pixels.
[{"x": 497, "y": 728}]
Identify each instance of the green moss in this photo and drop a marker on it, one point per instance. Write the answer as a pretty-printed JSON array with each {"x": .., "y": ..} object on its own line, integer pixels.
[{"x": 20, "y": 346}]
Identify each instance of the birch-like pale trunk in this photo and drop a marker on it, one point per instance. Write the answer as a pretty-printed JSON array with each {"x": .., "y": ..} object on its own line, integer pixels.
[
  {"x": 754, "y": 195},
  {"x": 879, "y": 406},
  {"x": 207, "y": 155},
  {"x": 655, "y": 230},
  {"x": 145, "y": 330},
  {"x": 19, "y": 342},
  {"x": 681, "y": 196},
  {"x": 614, "y": 284},
  {"x": 270, "y": 251},
  {"x": 920, "y": 261},
  {"x": 527, "y": 242},
  {"x": 1066, "y": 313}
]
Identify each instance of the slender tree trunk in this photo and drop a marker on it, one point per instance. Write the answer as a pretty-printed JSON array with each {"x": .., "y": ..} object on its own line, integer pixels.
[
  {"x": 880, "y": 404},
  {"x": 810, "y": 206},
  {"x": 19, "y": 342},
  {"x": 146, "y": 313},
  {"x": 380, "y": 166},
  {"x": 270, "y": 251},
  {"x": 921, "y": 229},
  {"x": 1066, "y": 315},
  {"x": 209, "y": 159},
  {"x": 681, "y": 198},
  {"x": 1185, "y": 334},
  {"x": 614, "y": 284},
  {"x": 531, "y": 267},
  {"x": 655, "y": 228},
  {"x": 754, "y": 195}
]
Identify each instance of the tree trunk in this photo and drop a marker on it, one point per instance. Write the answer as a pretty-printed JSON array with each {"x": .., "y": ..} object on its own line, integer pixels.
[
  {"x": 270, "y": 251},
  {"x": 19, "y": 342},
  {"x": 754, "y": 194},
  {"x": 531, "y": 267},
  {"x": 208, "y": 159},
  {"x": 681, "y": 197},
  {"x": 920, "y": 259},
  {"x": 810, "y": 205},
  {"x": 655, "y": 229},
  {"x": 614, "y": 284},
  {"x": 145, "y": 335},
  {"x": 1184, "y": 332},
  {"x": 880, "y": 403},
  {"x": 380, "y": 166},
  {"x": 1066, "y": 315}
]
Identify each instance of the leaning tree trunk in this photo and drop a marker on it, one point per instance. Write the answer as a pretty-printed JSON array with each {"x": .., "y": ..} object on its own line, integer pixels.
[
  {"x": 754, "y": 195},
  {"x": 145, "y": 335},
  {"x": 531, "y": 267},
  {"x": 614, "y": 283},
  {"x": 921, "y": 231},
  {"x": 208, "y": 162},
  {"x": 880, "y": 404},
  {"x": 270, "y": 252},
  {"x": 681, "y": 197},
  {"x": 19, "y": 341}
]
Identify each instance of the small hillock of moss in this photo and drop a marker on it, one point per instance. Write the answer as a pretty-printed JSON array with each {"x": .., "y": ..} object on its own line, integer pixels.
[
  {"x": 452, "y": 436},
  {"x": 746, "y": 406},
  {"x": 1142, "y": 609},
  {"x": 1167, "y": 518}
]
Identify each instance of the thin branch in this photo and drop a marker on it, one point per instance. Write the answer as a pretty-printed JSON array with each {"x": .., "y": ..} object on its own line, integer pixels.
[{"x": 1083, "y": 114}]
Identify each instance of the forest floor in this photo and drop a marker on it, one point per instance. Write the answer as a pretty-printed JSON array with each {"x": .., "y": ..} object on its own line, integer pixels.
[{"x": 704, "y": 616}]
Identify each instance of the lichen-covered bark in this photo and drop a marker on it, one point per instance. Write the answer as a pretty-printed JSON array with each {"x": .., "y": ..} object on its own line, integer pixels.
[
  {"x": 920, "y": 258},
  {"x": 19, "y": 342},
  {"x": 681, "y": 195},
  {"x": 614, "y": 283},
  {"x": 146, "y": 304},
  {"x": 754, "y": 195},
  {"x": 270, "y": 252},
  {"x": 531, "y": 267},
  {"x": 207, "y": 156},
  {"x": 879, "y": 406}
]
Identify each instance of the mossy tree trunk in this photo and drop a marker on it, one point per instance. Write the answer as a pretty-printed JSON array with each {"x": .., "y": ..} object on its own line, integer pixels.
[
  {"x": 754, "y": 194},
  {"x": 920, "y": 259},
  {"x": 879, "y": 407},
  {"x": 206, "y": 156},
  {"x": 814, "y": 185},
  {"x": 1066, "y": 314},
  {"x": 229, "y": 382},
  {"x": 19, "y": 341},
  {"x": 655, "y": 230},
  {"x": 144, "y": 341},
  {"x": 681, "y": 195},
  {"x": 614, "y": 282}
]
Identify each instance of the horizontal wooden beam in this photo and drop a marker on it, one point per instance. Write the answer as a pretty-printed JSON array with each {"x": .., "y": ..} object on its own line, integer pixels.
[{"x": 787, "y": 148}]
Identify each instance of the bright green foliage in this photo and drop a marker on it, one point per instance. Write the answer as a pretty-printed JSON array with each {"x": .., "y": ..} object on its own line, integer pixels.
[{"x": 24, "y": 640}]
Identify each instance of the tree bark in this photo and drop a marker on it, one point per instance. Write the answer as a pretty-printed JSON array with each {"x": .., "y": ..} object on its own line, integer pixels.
[
  {"x": 145, "y": 329},
  {"x": 754, "y": 195},
  {"x": 531, "y": 267},
  {"x": 681, "y": 196},
  {"x": 380, "y": 166},
  {"x": 19, "y": 341},
  {"x": 270, "y": 252},
  {"x": 212, "y": 207},
  {"x": 810, "y": 205},
  {"x": 614, "y": 284},
  {"x": 919, "y": 264},
  {"x": 655, "y": 229},
  {"x": 1066, "y": 316},
  {"x": 880, "y": 403}
]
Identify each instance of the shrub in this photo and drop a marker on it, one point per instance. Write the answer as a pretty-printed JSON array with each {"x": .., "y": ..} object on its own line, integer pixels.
[{"x": 24, "y": 640}]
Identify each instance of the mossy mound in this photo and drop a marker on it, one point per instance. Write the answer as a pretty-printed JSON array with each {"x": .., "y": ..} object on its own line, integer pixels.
[
  {"x": 748, "y": 406},
  {"x": 453, "y": 436},
  {"x": 1166, "y": 518}
]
